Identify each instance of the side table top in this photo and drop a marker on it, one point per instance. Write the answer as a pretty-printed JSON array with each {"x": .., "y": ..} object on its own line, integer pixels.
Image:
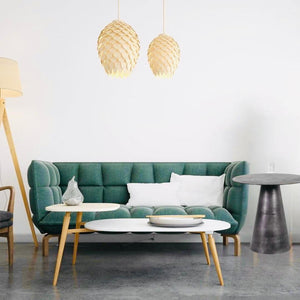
[
  {"x": 268, "y": 179},
  {"x": 83, "y": 207}
]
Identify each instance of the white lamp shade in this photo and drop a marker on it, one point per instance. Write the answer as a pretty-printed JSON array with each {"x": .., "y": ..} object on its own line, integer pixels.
[{"x": 10, "y": 84}]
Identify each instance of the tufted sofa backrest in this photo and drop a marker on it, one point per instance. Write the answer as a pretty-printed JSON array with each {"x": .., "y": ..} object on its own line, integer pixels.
[{"x": 106, "y": 182}]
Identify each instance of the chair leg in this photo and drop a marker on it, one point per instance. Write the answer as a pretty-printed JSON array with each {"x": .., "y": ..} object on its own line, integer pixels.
[
  {"x": 10, "y": 243},
  {"x": 237, "y": 243},
  {"x": 46, "y": 239}
]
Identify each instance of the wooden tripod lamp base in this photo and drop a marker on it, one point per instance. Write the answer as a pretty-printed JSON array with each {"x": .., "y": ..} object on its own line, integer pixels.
[{"x": 10, "y": 86}]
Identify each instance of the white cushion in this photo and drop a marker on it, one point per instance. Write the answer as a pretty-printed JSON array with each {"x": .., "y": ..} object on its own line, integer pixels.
[
  {"x": 200, "y": 190},
  {"x": 153, "y": 194}
]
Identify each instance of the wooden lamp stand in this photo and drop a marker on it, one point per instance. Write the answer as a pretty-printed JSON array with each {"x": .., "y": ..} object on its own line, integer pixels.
[
  {"x": 4, "y": 120},
  {"x": 10, "y": 86}
]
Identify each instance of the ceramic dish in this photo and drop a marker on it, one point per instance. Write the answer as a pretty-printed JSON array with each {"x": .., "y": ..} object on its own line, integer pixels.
[{"x": 174, "y": 222}]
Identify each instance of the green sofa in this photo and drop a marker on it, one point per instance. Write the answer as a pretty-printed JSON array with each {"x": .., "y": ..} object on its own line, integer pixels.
[{"x": 106, "y": 182}]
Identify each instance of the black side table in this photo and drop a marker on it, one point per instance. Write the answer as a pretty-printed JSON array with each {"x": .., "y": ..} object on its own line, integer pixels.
[{"x": 270, "y": 234}]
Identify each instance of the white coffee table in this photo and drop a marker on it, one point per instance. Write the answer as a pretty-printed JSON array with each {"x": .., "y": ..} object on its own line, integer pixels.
[
  {"x": 141, "y": 225},
  {"x": 79, "y": 209}
]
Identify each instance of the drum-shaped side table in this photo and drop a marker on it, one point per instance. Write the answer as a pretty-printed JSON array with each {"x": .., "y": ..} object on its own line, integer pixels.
[{"x": 270, "y": 234}]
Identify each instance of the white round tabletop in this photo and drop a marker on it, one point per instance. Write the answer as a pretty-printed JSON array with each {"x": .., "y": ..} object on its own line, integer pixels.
[
  {"x": 83, "y": 207},
  {"x": 142, "y": 225}
]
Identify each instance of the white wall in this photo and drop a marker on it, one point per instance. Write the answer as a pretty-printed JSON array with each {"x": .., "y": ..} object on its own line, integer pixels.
[{"x": 235, "y": 95}]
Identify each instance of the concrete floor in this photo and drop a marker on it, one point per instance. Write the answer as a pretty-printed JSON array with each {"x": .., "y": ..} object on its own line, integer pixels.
[{"x": 149, "y": 271}]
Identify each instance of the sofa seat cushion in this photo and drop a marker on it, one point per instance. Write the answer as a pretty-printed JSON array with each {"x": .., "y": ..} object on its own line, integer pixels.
[
  {"x": 216, "y": 213},
  {"x": 141, "y": 211},
  {"x": 169, "y": 210},
  {"x": 5, "y": 215},
  {"x": 122, "y": 212},
  {"x": 52, "y": 222}
]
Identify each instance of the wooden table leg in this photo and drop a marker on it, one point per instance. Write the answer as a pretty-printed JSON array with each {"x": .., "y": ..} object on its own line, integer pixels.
[
  {"x": 63, "y": 236},
  {"x": 76, "y": 237},
  {"x": 204, "y": 242},
  {"x": 214, "y": 253}
]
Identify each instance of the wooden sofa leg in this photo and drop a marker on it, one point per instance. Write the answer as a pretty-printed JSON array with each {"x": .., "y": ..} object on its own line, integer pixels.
[
  {"x": 46, "y": 239},
  {"x": 237, "y": 243},
  {"x": 10, "y": 243},
  {"x": 225, "y": 240}
]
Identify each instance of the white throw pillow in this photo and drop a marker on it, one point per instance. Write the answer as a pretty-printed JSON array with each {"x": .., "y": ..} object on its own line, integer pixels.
[
  {"x": 200, "y": 190},
  {"x": 153, "y": 194}
]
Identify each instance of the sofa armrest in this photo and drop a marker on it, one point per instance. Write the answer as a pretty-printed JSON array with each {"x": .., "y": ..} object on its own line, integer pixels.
[
  {"x": 235, "y": 194},
  {"x": 44, "y": 180}
]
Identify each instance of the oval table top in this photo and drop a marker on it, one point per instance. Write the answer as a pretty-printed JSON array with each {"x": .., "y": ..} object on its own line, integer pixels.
[
  {"x": 83, "y": 207},
  {"x": 142, "y": 225},
  {"x": 268, "y": 179}
]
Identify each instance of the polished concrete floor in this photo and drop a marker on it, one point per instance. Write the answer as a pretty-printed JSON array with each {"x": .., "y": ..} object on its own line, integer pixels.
[{"x": 149, "y": 271}]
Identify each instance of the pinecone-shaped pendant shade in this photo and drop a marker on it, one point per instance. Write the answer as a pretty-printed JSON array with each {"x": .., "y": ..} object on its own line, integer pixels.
[
  {"x": 118, "y": 49},
  {"x": 163, "y": 56}
]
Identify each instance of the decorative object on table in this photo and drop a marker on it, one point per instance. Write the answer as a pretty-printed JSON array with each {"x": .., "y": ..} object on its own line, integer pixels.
[
  {"x": 6, "y": 223},
  {"x": 118, "y": 48},
  {"x": 270, "y": 234},
  {"x": 10, "y": 86},
  {"x": 72, "y": 195},
  {"x": 175, "y": 220},
  {"x": 163, "y": 53},
  {"x": 271, "y": 167}
]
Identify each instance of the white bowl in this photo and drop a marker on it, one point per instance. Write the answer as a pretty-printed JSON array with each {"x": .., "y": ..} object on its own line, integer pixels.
[{"x": 174, "y": 222}]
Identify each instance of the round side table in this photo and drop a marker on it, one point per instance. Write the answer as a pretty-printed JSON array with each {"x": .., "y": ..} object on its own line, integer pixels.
[
  {"x": 79, "y": 210},
  {"x": 270, "y": 234}
]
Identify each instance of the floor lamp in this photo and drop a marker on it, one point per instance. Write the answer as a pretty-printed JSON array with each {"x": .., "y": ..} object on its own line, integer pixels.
[{"x": 10, "y": 86}]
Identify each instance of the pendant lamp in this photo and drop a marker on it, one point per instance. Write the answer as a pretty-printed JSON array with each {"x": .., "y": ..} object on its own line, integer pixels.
[
  {"x": 163, "y": 53},
  {"x": 118, "y": 48}
]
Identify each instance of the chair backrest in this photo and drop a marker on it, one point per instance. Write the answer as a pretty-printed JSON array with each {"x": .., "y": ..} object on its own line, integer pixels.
[{"x": 11, "y": 201}]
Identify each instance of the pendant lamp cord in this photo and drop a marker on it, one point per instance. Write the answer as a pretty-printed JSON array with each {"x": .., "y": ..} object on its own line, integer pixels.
[
  {"x": 118, "y": 9},
  {"x": 163, "y": 16}
]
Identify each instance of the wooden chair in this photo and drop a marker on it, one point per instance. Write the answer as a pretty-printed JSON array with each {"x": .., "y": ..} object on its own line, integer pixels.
[{"x": 6, "y": 223}]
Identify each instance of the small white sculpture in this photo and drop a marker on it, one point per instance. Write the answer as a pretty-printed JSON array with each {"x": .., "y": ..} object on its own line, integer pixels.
[{"x": 72, "y": 195}]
